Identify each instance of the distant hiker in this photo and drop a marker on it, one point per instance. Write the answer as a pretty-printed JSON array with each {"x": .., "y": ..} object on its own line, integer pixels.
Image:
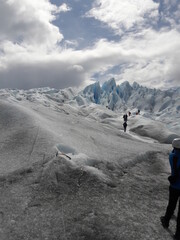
[
  {"x": 138, "y": 112},
  {"x": 125, "y": 116},
  {"x": 129, "y": 113},
  {"x": 174, "y": 189},
  {"x": 125, "y": 126}
]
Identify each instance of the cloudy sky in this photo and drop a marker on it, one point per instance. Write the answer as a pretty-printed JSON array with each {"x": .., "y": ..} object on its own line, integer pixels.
[{"x": 73, "y": 43}]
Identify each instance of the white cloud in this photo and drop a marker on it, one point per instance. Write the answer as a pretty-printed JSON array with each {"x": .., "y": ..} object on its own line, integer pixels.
[
  {"x": 30, "y": 56},
  {"x": 151, "y": 58},
  {"x": 29, "y": 22},
  {"x": 123, "y": 15},
  {"x": 28, "y": 41},
  {"x": 170, "y": 3},
  {"x": 70, "y": 43},
  {"x": 145, "y": 55},
  {"x": 171, "y": 13},
  {"x": 77, "y": 68},
  {"x": 63, "y": 8}
]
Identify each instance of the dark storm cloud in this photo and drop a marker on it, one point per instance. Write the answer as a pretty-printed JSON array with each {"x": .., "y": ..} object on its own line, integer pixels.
[{"x": 51, "y": 74}]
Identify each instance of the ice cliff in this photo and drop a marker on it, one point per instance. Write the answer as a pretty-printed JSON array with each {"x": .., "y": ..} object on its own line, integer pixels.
[{"x": 125, "y": 95}]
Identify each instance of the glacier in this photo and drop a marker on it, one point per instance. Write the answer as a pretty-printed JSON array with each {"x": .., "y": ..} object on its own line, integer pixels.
[{"x": 68, "y": 170}]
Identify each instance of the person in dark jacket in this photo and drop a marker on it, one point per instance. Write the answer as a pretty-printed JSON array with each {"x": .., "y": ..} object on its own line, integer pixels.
[
  {"x": 125, "y": 116},
  {"x": 174, "y": 188},
  {"x": 125, "y": 126}
]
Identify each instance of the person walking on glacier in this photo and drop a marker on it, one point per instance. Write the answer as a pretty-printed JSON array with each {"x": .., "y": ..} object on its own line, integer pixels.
[
  {"x": 174, "y": 188},
  {"x": 125, "y": 126},
  {"x": 125, "y": 116}
]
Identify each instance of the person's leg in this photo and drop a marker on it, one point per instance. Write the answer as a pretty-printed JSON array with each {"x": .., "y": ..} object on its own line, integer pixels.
[
  {"x": 173, "y": 198},
  {"x": 177, "y": 234}
]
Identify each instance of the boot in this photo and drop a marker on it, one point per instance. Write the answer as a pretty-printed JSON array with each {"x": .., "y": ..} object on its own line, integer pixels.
[
  {"x": 176, "y": 237},
  {"x": 164, "y": 222}
]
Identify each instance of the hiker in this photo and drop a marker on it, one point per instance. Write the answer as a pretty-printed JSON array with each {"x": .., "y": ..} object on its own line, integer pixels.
[
  {"x": 129, "y": 113},
  {"x": 125, "y": 126},
  {"x": 138, "y": 112},
  {"x": 174, "y": 188},
  {"x": 125, "y": 116}
]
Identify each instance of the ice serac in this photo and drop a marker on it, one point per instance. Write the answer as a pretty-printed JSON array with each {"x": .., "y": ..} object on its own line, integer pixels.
[
  {"x": 93, "y": 92},
  {"x": 135, "y": 85},
  {"x": 125, "y": 91},
  {"x": 109, "y": 86},
  {"x": 113, "y": 99},
  {"x": 106, "y": 95}
]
